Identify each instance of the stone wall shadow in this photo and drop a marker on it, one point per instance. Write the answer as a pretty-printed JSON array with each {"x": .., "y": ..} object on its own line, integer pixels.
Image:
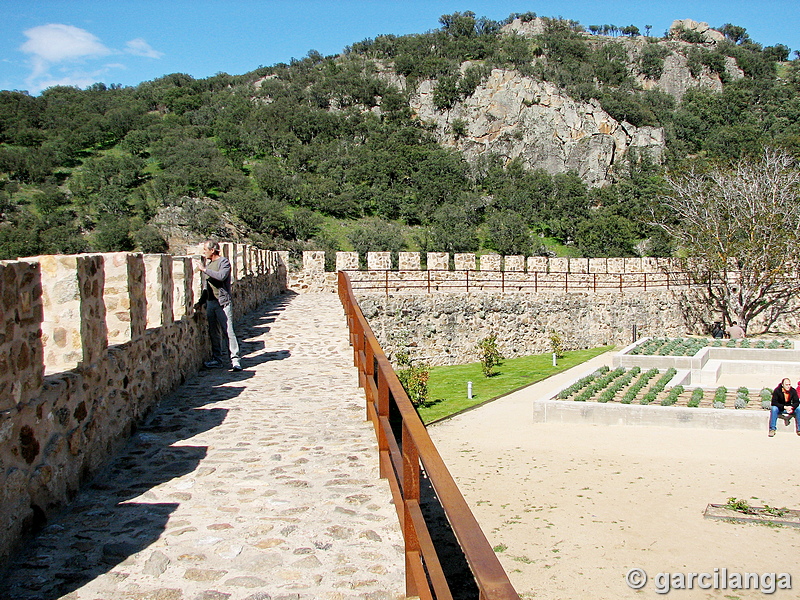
[{"x": 120, "y": 512}]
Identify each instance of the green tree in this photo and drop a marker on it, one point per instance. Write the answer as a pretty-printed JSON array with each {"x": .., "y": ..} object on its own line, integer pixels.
[
  {"x": 605, "y": 234},
  {"x": 508, "y": 233},
  {"x": 452, "y": 230},
  {"x": 375, "y": 235},
  {"x": 149, "y": 240}
]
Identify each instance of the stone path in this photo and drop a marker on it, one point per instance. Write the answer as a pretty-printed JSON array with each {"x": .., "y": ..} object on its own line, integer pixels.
[{"x": 258, "y": 485}]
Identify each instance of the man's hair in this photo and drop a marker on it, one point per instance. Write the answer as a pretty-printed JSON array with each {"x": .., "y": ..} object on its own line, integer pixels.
[{"x": 212, "y": 245}]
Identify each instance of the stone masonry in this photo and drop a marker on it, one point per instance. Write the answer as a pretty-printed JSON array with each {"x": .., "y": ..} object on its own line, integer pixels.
[
  {"x": 89, "y": 344},
  {"x": 242, "y": 486}
]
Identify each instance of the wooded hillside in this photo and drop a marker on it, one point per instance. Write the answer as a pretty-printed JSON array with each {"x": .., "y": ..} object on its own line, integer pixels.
[{"x": 327, "y": 153}]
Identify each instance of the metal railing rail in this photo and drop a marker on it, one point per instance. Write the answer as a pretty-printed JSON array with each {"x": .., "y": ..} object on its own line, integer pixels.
[
  {"x": 515, "y": 281},
  {"x": 405, "y": 449}
]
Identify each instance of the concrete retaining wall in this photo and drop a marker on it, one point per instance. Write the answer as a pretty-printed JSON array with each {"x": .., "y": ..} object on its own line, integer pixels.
[{"x": 565, "y": 411}]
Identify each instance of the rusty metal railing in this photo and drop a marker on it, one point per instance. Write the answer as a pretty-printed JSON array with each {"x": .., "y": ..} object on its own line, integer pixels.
[
  {"x": 405, "y": 449},
  {"x": 388, "y": 281}
]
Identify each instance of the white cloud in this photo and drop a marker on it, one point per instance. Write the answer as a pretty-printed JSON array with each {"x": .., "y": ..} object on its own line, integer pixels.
[
  {"x": 56, "y": 43},
  {"x": 66, "y": 47},
  {"x": 139, "y": 47}
]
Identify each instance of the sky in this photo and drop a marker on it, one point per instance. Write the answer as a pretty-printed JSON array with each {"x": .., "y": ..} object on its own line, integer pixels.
[{"x": 81, "y": 42}]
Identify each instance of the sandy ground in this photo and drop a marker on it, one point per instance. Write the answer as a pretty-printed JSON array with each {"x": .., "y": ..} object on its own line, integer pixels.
[{"x": 570, "y": 509}]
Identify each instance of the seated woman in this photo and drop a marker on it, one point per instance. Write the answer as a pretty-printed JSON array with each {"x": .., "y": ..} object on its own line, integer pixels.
[{"x": 784, "y": 402}]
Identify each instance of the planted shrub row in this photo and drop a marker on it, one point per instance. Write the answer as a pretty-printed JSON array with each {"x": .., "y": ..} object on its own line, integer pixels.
[
  {"x": 581, "y": 383},
  {"x": 672, "y": 397},
  {"x": 697, "y": 397},
  {"x": 599, "y": 384},
  {"x": 631, "y": 393},
  {"x": 690, "y": 346},
  {"x": 659, "y": 386},
  {"x": 611, "y": 391}
]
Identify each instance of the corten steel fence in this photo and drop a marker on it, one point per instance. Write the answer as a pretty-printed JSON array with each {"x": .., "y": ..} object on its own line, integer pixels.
[
  {"x": 513, "y": 281},
  {"x": 405, "y": 448}
]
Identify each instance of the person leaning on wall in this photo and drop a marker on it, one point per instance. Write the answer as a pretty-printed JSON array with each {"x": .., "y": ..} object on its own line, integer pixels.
[
  {"x": 216, "y": 297},
  {"x": 784, "y": 402}
]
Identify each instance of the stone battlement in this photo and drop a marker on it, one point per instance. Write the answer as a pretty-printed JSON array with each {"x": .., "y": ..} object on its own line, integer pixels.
[
  {"x": 314, "y": 278},
  {"x": 89, "y": 344}
]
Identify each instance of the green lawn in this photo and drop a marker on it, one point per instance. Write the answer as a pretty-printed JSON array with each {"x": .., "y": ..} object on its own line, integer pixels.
[{"x": 447, "y": 386}]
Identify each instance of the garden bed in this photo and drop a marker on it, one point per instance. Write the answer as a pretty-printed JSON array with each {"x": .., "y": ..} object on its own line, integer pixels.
[
  {"x": 649, "y": 387},
  {"x": 763, "y": 515}
]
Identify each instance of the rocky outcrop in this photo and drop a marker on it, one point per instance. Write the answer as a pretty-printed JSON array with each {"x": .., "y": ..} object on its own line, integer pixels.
[
  {"x": 519, "y": 117},
  {"x": 676, "y": 78},
  {"x": 514, "y": 116},
  {"x": 709, "y": 36}
]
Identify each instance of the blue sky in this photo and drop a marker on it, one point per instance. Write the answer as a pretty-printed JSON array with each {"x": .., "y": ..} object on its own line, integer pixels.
[{"x": 80, "y": 42}]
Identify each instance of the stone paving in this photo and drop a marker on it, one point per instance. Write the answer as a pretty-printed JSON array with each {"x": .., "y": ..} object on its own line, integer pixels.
[{"x": 257, "y": 485}]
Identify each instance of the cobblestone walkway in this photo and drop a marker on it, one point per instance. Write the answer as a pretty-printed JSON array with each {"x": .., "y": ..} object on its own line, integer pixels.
[{"x": 258, "y": 485}]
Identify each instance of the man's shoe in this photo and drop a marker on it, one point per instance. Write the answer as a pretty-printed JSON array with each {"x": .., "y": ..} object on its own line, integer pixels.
[
  {"x": 212, "y": 364},
  {"x": 771, "y": 433},
  {"x": 237, "y": 366}
]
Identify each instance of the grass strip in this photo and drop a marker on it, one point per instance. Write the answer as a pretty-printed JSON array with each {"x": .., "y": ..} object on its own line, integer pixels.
[{"x": 447, "y": 386}]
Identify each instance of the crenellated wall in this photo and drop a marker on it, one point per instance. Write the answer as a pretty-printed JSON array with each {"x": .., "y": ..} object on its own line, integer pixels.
[
  {"x": 489, "y": 271},
  {"x": 89, "y": 345},
  {"x": 439, "y": 313}
]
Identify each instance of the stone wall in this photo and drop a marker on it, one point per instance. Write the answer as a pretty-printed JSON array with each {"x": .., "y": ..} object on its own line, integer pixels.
[
  {"x": 89, "y": 345},
  {"x": 444, "y": 329},
  {"x": 530, "y": 272}
]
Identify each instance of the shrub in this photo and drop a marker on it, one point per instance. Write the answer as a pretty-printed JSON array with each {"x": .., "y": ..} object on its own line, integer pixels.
[
  {"x": 651, "y": 62},
  {"x": 599, "y": 384},
  {"x": 489, "y": 354},
  {"x": 576, "y": 387},
  {"x": 697, "y": 397},
  {"x": 631, "y": 393},
  {"x": 720, "y": 395},
  {"x": 149, "y": 240},
  {"x": 556, "y": 344},
  {"x": 414, "y": 379},
  {"x": 672, "y": 397},
  {"x": 766, "y": 398}
]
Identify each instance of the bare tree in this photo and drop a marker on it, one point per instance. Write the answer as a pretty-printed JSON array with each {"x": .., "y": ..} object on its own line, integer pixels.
[{"x": 736, "y": 230}]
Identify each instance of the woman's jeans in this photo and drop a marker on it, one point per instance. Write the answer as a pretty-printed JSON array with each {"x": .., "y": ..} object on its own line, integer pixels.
[{"x": 774, "y": 412}]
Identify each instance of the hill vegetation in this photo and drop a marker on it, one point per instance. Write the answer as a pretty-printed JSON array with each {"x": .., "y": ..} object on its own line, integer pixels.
[{"x": 325, "y": 152}]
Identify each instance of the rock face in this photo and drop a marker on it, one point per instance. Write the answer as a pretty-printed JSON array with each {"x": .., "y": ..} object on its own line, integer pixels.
[
  {"x": 710, "y": 36},
  {"x": 676, "y": 78},
  {"x": 519, "y": 117}
]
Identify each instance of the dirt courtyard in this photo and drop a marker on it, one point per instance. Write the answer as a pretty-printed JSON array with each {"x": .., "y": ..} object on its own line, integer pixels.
[{"x": 571, "y": 509}]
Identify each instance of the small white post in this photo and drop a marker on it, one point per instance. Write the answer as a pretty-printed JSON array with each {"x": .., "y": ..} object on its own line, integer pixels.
[
  {"x": 554, "y": 359},
  {"x": 469, "y": 390}
]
